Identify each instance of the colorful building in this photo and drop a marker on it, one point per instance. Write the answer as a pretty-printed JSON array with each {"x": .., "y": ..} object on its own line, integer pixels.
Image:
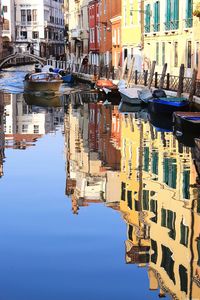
[
  {"x": 94, "y": 39},
  {"x": 168, "y": 35},
  {"x": 132, "y": 31},
  {"x": 108, "y": 10},
  {"x": 78, "y": 28}
]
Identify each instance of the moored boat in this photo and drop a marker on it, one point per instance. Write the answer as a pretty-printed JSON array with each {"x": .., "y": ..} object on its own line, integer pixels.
[
  {"x": 187, "y": 122},
  {"x": 130, "y": 96},
  {"x": 168, "y": 104},
  {"x": 42, "y": 82}
]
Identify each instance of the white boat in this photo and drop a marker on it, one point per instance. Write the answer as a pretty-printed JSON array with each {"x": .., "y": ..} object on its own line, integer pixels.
[
  {"x": 42, "y": 82},
  {"x": 130, "y": 95}
]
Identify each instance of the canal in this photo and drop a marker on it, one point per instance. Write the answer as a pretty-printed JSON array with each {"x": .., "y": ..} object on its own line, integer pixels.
[{"x": 94, "y": 204}]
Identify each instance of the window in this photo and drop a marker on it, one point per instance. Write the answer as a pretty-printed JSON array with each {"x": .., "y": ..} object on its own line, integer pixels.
[
  {"x": 170, "y": 172},
  {"x": 24, "y": 34},
  {"x": 35, "y": 34},
  {"x": 157, "y": 53},
  {"x": 146, "y": 159},
  {"x": 29, "y": 15},
  {"x": 36, "y": 128},
  {"x": 147, "y": 18},
  {"x": 188, "y": 16},
  {"x": 172, "y": 14},
  {"x": 189, "y": 54},
  {"x": 183, "y": 279},
  {"x": 163, "y": 53},
  {"x": 23, "y": 15},
  {"x": 168, "y": 219},
  {"x": 176, "y": 54},
  {"x": 129, "y": 198},
  {"x": 24, "y": 128},
  {"x": 5, "y": 9},
  {"x": 145, "y": 200},
  {"x": 123, "y": 191},
  {"x": 197, "y": 54},
  {"x": 130, "y": 232},
  {"x": 156, "y": 16},
  {"x": 34, "y": 14},
  {"x": 167, "y": 262},
  {"x": 184, "y": 234},
  {"x": 155, "y": 162},
  {"x": 154, "y": 248},
  {"x": 186, "y": 184}
]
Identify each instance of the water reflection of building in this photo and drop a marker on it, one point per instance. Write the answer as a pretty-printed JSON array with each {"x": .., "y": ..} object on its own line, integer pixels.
[
  {"x": 92, "y": 159},
  {"x": 160, "y": 206},
  {"x": 24, "y": 124}
]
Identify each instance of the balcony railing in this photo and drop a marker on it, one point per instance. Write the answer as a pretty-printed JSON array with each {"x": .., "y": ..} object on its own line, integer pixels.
[
  {"x": 147, "y": 28},
  {"x": 156, "y": 27},
  {"x": 188, "y": 22},
  {"x": 172, "y": 25}
]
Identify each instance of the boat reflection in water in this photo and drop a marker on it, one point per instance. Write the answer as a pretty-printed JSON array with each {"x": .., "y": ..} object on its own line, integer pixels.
[
  {"x": 43, "y": 100},
  {"x": 145, "y": 174}
]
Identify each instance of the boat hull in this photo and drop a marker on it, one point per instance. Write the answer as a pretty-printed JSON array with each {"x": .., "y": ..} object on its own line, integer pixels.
[
  {"x": 187, "y": 123},
  {"x": 156, "y": 106},
  {"x": 42, "y": 86}
]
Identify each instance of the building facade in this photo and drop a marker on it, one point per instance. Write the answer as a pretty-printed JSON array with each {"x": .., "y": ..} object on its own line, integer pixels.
[
  {"x": 39, "y": 27},
  {"x": 132, "y": 31},
  {"x": 108, "y": 10},
  {"x": 94, "y": 33},
  {"x": 78, "y": 28},
  {"x": 168, "y": 35}
]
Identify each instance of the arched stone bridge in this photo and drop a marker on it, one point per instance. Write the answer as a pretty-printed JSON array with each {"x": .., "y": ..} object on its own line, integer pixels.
[{"x": 16, "y": 55}]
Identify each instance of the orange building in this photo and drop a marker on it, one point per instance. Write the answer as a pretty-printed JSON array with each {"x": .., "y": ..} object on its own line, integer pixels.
[{"x": 108, "y": 10}]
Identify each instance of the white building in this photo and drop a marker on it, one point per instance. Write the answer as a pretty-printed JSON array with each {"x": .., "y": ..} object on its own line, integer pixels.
[
  {"x": 36, "y": 26},
  {"x": 8, "y": 21},
  {"x": 78, "y": 27}
]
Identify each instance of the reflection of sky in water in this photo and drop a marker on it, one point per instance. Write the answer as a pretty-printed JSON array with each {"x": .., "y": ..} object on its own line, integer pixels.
[{"x": 48, "y": 253}]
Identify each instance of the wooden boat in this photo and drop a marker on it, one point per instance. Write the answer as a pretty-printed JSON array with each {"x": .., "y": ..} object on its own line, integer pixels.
[
  {"x": 42, "y": 82},
  {"x": 130, "y": 96},
  {"x": 168, "y": 105},
  {"x": 187, "y": 122}
]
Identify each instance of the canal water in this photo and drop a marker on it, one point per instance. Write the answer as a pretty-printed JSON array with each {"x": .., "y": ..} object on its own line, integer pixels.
[{"x": 94, "y": 204}]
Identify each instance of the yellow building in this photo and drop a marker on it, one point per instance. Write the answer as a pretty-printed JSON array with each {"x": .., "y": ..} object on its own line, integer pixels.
[
  {"x": 131, "y": 31},
  {"x": 168, "y": 34},
  {"x": 159, "y": 204}
]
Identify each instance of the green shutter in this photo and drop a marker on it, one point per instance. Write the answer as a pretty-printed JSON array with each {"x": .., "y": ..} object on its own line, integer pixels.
[
  {"x": 168, "y": 14},
  {"x": 145, "y": 200},
  {"x": 155, "y": 162},
  {"x": 176, "y": 14},
  {"x": 163, "y": 217},
  {"x": 146, "y": 159},
  {"x": 186, "y": 184}
]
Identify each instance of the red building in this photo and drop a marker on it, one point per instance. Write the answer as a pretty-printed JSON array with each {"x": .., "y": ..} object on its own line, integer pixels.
[
  {"x": 94, "y": 40},
  {"x": 109, "y": 9}
]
